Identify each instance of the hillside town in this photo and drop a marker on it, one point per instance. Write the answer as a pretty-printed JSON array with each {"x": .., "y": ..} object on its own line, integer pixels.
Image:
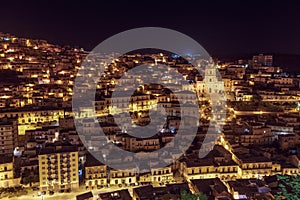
[{"x": 256, "y": 154}]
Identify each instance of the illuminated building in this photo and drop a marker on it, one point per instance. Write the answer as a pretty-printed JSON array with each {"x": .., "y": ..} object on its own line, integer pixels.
[
  {"x": 251, "y": 166},
  {"x": 289, "y": 169},
  {"x": 124, "y": 177},
  {"x": 29, "y": 118},
  {"x": 137, "y": 102},
  {"x": 140, "y": 144},
  {"x": 161, "y": 176},
  {"x": 95, "y": 172},
  {"x": 262, "y": 60},
  {"x": 58, "y": 168},
  {"x": 7, "y": 173},
  {"x": 211, "y": 82},
  {"x": 215, "y": 164}
]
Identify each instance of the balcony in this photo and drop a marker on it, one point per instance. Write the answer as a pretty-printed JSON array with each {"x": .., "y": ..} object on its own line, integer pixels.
[{"x": 64, "y": 156}]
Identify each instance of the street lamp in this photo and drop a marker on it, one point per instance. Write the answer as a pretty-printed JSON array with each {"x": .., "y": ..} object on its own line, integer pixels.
[{"x": 41, "y": 194}]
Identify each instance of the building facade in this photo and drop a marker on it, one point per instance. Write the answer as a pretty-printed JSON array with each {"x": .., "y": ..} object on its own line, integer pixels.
[{"x": 58, "y": 168}]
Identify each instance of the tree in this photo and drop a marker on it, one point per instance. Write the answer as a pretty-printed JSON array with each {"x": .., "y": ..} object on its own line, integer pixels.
[
  {"x": 289, "y": 187},
  {"x": 26, "y": 180},
  {"x": 184, "y": 195},
  {"x": 32, "y": 178}
]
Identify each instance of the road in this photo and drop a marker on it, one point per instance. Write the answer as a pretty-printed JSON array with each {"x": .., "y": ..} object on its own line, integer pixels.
[
  {"x": 33, "y": 195},
  {"x": 253, "y": 112}
]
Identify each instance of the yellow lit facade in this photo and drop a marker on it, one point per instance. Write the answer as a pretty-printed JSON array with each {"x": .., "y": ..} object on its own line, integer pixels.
[
  {"x": 162, "y": 175},
  {"x": 229, "y": 172},
  {"x": 96, "y": 176},
  {"x": 58, "y": 171},
  {"x": 95, "y": 172},
  {"x": 7, "y": 173},
  {"x": 127, "y": 177},
  {"x": 28, "y": 120}
]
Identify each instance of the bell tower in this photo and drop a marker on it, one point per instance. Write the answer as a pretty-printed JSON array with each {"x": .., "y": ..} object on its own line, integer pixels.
[{"x": 211, "y": 78}]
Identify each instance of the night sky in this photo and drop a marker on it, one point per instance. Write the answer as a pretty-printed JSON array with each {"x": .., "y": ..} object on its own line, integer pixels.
[{"x": 222, "y": 27}]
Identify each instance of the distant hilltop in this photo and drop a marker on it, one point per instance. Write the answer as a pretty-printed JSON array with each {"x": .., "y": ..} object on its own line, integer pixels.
[{"x": 288, "y": 62}]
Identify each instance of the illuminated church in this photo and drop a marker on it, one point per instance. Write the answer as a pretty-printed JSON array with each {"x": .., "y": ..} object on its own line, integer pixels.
[{"x": 211, "y": 83}]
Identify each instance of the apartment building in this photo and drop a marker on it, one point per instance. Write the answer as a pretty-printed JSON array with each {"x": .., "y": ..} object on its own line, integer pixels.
[{"x": 58, "y": 167}]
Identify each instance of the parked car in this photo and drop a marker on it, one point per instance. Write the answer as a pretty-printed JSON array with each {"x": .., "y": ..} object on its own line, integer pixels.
[
  {"x": 68, "y": 190},
  {"x": 35, "y": 188}
]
